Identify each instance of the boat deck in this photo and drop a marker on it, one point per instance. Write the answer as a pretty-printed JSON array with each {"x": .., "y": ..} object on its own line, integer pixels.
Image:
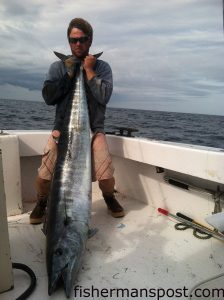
[{"x": 140, "y": 251}]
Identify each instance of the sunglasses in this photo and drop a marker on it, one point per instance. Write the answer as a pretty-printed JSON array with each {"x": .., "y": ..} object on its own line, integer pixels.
[{"x": 82, "y": 40}]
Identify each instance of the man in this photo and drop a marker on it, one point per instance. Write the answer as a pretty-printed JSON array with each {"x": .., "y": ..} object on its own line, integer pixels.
[{"x": 57, "y": 90}]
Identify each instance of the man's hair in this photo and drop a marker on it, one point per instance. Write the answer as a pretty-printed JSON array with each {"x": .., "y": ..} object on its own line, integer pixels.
[{"x": 82, "y": 25}]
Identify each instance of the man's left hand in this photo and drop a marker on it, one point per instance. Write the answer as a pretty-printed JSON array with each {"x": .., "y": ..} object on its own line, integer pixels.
[{"x": 89, "y": 63}]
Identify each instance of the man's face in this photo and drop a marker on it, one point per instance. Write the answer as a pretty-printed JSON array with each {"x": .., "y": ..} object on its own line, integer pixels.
[{"x": 79, "y": 48}]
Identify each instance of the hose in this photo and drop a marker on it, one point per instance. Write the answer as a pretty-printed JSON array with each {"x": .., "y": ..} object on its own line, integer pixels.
[{"x": 33, "y": 281}]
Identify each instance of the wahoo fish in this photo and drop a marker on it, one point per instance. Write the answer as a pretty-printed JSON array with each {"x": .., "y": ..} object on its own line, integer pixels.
[{"x": 69, "y": 206}]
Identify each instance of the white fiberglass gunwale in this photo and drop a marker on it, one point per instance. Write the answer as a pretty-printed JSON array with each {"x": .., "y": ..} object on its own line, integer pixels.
[{"x": 141, "y": 250}]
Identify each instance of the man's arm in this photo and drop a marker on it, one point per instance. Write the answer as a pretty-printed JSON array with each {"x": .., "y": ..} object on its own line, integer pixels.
[
  {"x": 100, "y": 81},
  {"x": 57, "y": 84}
]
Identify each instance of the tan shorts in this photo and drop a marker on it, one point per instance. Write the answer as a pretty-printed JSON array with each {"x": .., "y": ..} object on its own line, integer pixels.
[{"x": 102, "y": 167}]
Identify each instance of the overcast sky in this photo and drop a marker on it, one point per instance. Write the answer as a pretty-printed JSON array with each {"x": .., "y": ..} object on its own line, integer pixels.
[{"x": 165, "y": 55}]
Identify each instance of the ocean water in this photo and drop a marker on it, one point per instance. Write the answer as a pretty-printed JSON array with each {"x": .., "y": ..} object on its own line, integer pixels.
[{"x": 196, "y": 129}]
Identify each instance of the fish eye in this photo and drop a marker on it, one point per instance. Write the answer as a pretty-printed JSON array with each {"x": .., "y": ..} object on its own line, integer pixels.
[{"x": 58, "y": 252}]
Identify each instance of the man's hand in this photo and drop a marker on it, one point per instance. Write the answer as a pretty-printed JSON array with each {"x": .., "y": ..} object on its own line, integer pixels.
[
  {"x": 88, "y": 65},
  {"x": 56, "y": 135},
  {"x": 70, "y": 66},
  {"x": 89, "y": 62}
]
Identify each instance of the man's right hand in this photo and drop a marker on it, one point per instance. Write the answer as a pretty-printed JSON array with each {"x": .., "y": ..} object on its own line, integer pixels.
[
  {"x": 56, "y": 133},
  {"x": 70, "y": 66}
]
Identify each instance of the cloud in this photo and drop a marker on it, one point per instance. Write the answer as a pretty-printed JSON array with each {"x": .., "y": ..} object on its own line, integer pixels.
[
  {"x": 165, "y": 53},
  {"x": 23, "y": 78},
  {"x": 12, "y": 91}
]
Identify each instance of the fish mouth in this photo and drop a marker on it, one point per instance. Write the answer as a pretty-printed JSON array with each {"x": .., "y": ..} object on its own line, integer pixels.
[{"x": 62, "y": 277}]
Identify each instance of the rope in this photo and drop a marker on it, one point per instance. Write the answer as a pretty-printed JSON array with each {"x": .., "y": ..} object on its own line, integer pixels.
[{"x": 196, "y": 232}]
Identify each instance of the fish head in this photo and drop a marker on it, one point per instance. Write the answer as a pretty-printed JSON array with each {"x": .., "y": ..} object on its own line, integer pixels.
[{"x": 65, "y": 263}]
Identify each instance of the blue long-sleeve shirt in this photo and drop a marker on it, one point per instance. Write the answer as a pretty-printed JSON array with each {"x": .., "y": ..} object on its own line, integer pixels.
[{"x": 57, "y": 90}]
